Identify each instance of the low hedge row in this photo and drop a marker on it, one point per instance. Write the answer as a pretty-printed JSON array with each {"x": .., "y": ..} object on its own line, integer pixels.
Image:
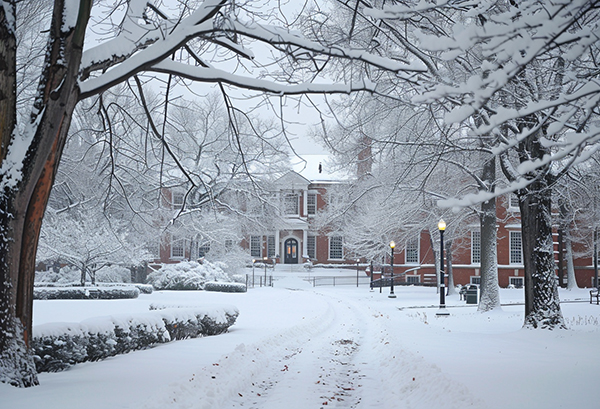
[
  {"x": 144, "y": 288},
  {"x": 85, "y": 293},
  {"x": 225, "y": 287},
  {"x": 57, "y": 346}
]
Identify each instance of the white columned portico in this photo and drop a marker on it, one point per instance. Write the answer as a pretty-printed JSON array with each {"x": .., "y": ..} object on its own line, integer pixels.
[{"x": 304, "y": 241}]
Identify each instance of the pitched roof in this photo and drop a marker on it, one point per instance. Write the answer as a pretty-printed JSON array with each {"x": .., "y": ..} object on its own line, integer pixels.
[{"x": 318, "y": 168}]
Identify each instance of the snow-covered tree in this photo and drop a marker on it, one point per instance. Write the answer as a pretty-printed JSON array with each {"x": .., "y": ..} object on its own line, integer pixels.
[
  {"x": 91, "y": 47},
  {"x": 526, "y": 81}
]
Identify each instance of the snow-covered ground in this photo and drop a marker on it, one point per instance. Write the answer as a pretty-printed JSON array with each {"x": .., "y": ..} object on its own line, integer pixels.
[{"x": 297, "y": 346}]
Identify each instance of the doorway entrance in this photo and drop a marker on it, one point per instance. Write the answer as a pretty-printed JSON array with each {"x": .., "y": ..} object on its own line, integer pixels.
[{"x": 291, "y": 251}]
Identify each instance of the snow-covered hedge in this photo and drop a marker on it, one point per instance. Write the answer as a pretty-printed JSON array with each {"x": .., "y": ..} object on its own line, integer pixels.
[
  {"x": 85, "y": 293},
  {"x": 187, "y": 275},
  {"x": 225, "y": 287},
  {"x": 144, "y": 288},
  {"x": 58, "y": 346}
]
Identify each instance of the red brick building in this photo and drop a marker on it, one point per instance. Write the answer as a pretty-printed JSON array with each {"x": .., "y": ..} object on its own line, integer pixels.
[{"x": 293, "y": 239}]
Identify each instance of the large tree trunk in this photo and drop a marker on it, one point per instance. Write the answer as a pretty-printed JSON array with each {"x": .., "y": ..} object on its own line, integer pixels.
[
  {"x": 571, "y": 281},
  {"x": 24, "y": 198},
  {"x": 542, "y": 304},
  {"x": 451, "y": 290},
  {"x": 490, "y": 295},
  {"x": 436, "y": 258}
]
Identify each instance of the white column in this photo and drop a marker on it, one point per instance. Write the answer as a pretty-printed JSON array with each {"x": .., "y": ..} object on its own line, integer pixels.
[
  {"x": 304, "y": 241},
  {"x": 305, "y": 196},
  {"x": 277, "y": 244}
]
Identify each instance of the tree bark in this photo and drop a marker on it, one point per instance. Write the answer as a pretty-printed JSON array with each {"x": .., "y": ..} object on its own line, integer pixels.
[
  {"x": 451, "y": 289},
  {"x": 571, "y": 281},
  {"x": 490, "y": 295},
  {"x": 24, "y": 203},
  {"x": 542, "y": 304}
]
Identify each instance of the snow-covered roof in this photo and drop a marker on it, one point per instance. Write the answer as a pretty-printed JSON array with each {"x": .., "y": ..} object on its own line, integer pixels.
[
  {"x": 318, "y": 168},
  {"x": 292, "y": 180}
]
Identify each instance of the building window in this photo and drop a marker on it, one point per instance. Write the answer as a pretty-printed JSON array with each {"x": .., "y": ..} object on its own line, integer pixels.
[
  {"x": 516, "y": 253},
  {"x": 516, "y": 282},
  {"x": 513, "y": 202},
  {"x": 311, "y": 203},
  {"x": 271, "y": 246},
  {"x": 255, "y": 246},
  {"x": 311, "y": 247},
  {"x": 177, "y": 247},
  {"x": 203, "y": 249},
  {"x": 475, "y": 247},
  {"x": 177, "y": 200},
  {"x": 154, "y": 249},
  {"x": 228, "y": 244},
  {"x": 476, "y": 280},
  {"x": 412, "y": 251},
  {"x": 336, "y": 251},
  {"x": 413, "y": 279},
  {"x": 291, "y": 203}
]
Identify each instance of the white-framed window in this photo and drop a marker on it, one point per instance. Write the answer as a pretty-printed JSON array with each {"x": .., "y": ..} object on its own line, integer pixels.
[
  {"x": 291, "y": 204},
  {"x": 203, "y": 249},
  {"x": 513, "y": 202},
  {"x": 411, "y": 253},
  {"x": 270, "y": 246},
  {"x": 255, "y": 246},
  {"x": 413, "y": 279},
  {"x": 516, "y": 248},
  {"x": 517, "y": 282},
  {"x": 177, "y": 200},
  {"x": 475, "y": 247},
  {"x": 475, "y": 280},
  {"x": 336, "y": 248},
  {"x": 177, "y": 247},
  {"x": 154, "y": 249},
  {"x": 311, "y": 204},
  {"x": 311, "y": 246}
]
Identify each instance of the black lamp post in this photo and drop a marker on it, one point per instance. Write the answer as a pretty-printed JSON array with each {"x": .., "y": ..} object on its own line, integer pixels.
[
  {"x": 253, "y": 261},
  {"x": 357, "y": 261},
  {"x": 392, "y": 295},
  {"x": 442, "y": 311}
]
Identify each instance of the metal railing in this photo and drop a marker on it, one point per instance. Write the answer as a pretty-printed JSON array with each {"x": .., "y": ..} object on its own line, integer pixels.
[{"x": 258, "y": 280}]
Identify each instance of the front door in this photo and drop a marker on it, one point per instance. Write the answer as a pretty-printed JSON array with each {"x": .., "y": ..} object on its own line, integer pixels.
[{"x": 291, "y": 251}]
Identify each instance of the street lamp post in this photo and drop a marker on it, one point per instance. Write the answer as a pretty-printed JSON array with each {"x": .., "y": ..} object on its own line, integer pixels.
[
  {"x": 357, "y": 261},
  {"x": 442, "y": 311},
  {"x": 392, "y": 295},
  {"x": 371, "y": 275},
  {"x": 253, "y": 261}
]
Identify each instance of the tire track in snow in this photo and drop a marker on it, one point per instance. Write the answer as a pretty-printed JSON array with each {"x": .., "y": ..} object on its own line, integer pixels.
[
  {"x": 313, "y": 355},
  {"x": 349, "y": 355}
]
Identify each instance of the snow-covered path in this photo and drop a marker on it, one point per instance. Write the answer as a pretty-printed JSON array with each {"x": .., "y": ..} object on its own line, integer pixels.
[
  {"x": 297, "y": 347},
  {"x": 341, "y": 355}
]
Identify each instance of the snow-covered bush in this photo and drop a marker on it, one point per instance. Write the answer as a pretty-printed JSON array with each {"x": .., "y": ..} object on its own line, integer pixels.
[
  {"x": 225, "y": 287},
  {"x": 65, "y": 275},
  {"x": 85, "y": 293},
  {"x": 144, "y": 288},
  {"x": 58, "y": 346},
  {"x": 187, "y": 275},
  {"x": 113, "y": 274}
]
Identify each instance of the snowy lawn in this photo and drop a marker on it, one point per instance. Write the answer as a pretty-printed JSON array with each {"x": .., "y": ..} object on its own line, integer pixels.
[{"x": 295, "y": 346}]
